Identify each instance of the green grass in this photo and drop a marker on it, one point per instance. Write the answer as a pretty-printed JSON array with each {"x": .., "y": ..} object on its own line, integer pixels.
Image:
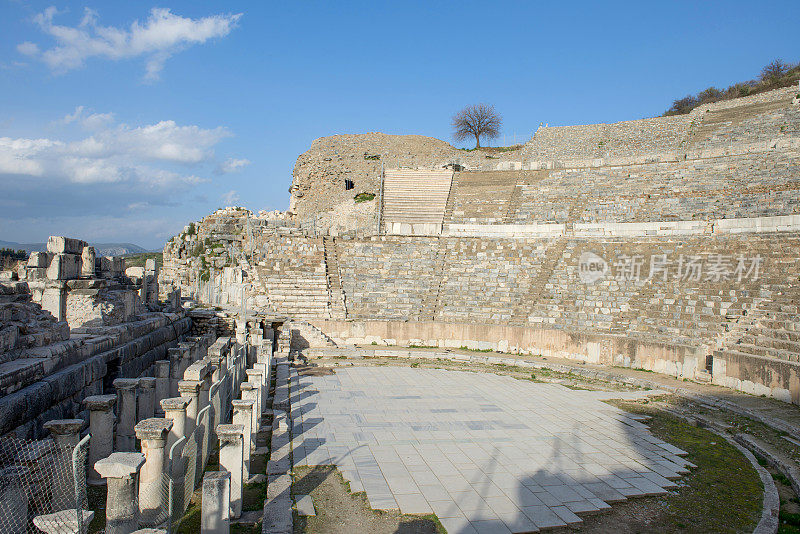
[
  {"x": 723, "y": 494},
  {"x": 364, "y": 197}
]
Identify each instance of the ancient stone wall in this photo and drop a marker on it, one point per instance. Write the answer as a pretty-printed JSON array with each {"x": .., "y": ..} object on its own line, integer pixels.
[{"x": 318, "y": 184}]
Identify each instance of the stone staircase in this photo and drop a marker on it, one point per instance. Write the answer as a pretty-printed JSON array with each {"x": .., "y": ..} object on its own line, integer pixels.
[
  {"x": 524, "y": 308},
  {"x": 297, "y": 294},
  {"x": 514, "y": 200},
  {"x": 336, "y": 297},
  {"x": 415, "y": 196},
  {"x": 431, "y": 303}
]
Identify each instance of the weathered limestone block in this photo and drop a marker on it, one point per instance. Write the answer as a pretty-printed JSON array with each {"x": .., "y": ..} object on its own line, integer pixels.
[
  {"x": 54, "y": 300},
  {"x": 126, "y": 413},
  {"x": 145, "y": 400},
  {"x": 65, "y": 245},
  {"x": 231, "y": 459},
  {"x": 66, "y": 433},
  {"x": 215, "y": 518},
  {"x": 39, "y": 259},
  {"x": 88, "y": 258},
  {"x": 64, "y": 267},
  {"x": 101, "y": 427}
]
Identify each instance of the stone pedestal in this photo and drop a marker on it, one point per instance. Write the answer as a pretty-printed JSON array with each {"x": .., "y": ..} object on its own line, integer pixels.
[
  {"x": 264, "y": 368},
  {"x": 66, "y": 434},
  {"x": 175, "y": 411},
  {"x": 101, "y": 427},
  {"x": 162, "y": 385},
  {"x": 230, "y": 460},
  {"x": 190, "y": 390},
  {"x": 145, "y": 400},
  {"x": 243, "y": 415},
  {"x": 126, "y": 413},
  {"x": 121, "y": 471},
  {"x": 152, "y": 433},
  {"x": 249, "y": 392},
  {"x": 256, "y": 378},
  {"x": 215, "y": 518}
]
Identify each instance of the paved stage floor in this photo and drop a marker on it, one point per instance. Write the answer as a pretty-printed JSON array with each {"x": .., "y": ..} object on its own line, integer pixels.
[{"x": 485, "y": 453}]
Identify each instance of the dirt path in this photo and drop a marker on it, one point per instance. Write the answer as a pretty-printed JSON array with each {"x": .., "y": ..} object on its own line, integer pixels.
[{"x": 341, "y": 512}]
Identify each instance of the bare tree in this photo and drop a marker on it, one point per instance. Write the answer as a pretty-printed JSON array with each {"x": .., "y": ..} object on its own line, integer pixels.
[
  {"x": 774, "y": 70},
  {"x": 477, "y": 120}
]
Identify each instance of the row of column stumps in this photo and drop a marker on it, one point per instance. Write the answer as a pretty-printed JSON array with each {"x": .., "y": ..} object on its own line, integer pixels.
[
  {"x": 222, "y": 499},
  {"x": 135, "y": 494},
  {"x": 205, "y": 377}
]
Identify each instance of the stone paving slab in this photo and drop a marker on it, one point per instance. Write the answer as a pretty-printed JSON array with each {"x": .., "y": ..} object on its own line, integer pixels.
[{"x": 486, "y": 453}]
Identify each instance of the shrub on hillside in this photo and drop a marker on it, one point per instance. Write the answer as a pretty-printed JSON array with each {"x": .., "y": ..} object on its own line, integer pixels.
[{"x": 775, "y": 75}]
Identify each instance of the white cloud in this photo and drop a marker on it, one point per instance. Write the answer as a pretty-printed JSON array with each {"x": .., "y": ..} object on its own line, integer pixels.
[
  {"x": 233, "y": 165},
  {"x": 113, "y": 152},
  {"x": 28, "y": 48},
  {"x": 156, "y": 39},
  {"x": 230, "y": 197}
]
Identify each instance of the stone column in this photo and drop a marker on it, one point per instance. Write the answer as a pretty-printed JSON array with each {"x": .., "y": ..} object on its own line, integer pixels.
[
  {"x": 66, "y": 434},
  {"x": 218, "y": 375},
  {"x": 230, "y": 460},
  {"x": 251, "y": 393},
  {"x": 145, "y": 401},
  {"x": 215, "y": 517},
  {"x": 126, "y": 413},
  {"x": 190, "y": 390},
  {"x": 199, "y": 372},
  {"x": 152, "y": 434},
  {"x": 101, "y": 427},
  {"x": 256, "y": 378},
  {"x": 175, "y": 372},
  {"x": 121, "y": 471},
  {"x": 243, "y": 415},
  {"x": 162, "y": 385},
  {"x": 175, "y": 410}
]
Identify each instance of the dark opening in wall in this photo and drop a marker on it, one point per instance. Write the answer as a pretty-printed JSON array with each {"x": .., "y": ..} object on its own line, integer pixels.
[{"x": 348, "y": 184}]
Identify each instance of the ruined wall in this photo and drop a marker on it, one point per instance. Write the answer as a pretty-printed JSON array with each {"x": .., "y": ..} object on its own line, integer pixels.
[{"x": 318, "y": 184}]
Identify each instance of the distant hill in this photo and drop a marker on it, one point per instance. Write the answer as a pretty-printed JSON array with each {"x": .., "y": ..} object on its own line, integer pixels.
[{"x": 102, "y": 249}]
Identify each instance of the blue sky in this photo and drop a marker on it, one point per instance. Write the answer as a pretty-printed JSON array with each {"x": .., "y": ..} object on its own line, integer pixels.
[{"x": 124, "y": 121}]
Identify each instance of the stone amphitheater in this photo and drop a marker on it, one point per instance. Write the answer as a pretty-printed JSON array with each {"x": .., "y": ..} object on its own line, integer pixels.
[{"x": 604, "y": 319}]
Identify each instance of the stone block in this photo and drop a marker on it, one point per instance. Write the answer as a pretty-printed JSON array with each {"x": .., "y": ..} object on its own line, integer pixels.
[
  {"x": 39, "y": 259},
  {"x": 65, "y": 245},
  {"x": 64, "y": 266}
]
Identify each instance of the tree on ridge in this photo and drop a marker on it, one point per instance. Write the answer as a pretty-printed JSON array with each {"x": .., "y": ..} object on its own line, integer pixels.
[{"x": 477, "y": 120}]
